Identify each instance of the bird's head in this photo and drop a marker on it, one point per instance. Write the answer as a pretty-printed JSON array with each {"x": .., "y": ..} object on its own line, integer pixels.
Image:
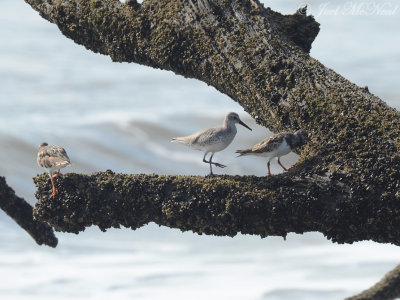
[
  {"x": 302, "y": 136},
  {"x": 233, "y": 118}
]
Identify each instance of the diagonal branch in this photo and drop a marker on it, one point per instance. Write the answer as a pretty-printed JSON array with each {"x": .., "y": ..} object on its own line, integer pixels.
[
  {"x": 153, "y": 33},
  {"x": 20, "y": 210},
  {"x": 387, "y": 288},
  {"x": 247, "y": 52},
  {"x": 96, "y": 24},
  {"x": 348, "y": 180}
]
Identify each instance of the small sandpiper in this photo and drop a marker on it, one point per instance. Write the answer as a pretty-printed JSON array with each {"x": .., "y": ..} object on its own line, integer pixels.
[
  {"x": 52, "y": 158},
  {"x": 213, "y": 140},
  {"x": 276, "y": 146}
]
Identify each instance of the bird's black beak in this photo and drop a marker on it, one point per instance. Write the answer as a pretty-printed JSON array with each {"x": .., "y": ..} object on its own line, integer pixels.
[{"x": 241, "y": 123}]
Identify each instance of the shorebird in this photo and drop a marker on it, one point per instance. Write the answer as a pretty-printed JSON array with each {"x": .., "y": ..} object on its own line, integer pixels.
[
  {"x": 52, "y": 158},
  {"x": 276, "y": 146},
  {"x": 213, "y": 140}
]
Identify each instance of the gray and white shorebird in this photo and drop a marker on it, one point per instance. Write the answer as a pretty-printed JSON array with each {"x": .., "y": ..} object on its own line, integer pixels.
[
  {"x": 52, "y": 158},
  {"x": 276, "y": 146},
  {"x": 214, "y": 139}
]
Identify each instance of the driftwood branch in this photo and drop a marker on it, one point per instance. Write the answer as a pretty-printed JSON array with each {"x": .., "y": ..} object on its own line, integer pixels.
[
  {"x": 21, "y": 212},
  {"x": 270, "y": 206},
  {"x": 386, "y": 289},
  {"x": 243, "y": 50},
  {"x": 349, "y": 172},
  {"x": 224, "y": 205}
]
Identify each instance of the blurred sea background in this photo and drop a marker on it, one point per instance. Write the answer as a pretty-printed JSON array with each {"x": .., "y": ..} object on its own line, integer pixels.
[{"x": 121, "y": 116}]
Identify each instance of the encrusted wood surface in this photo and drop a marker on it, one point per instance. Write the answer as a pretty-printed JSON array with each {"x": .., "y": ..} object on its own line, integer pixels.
[
  {"x": 386, "y": 289},
  {"x": 243, "y": 50},
  {"x": 21, "y": 212},
  {"x": 349, "y": 170}
]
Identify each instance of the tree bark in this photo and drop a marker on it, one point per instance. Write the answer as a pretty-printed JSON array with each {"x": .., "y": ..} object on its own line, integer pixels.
[
  {"x": 349, "y": 171},
  {"x": 218, "y": 206},
  {"x": 386, "y": 289},
  {"x": 243, "y": 50},
  {"x": 21, "y": 212}
]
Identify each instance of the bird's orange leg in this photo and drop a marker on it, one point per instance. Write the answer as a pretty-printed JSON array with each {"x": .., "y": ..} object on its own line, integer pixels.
[
  {"x": 269, "y": 170},
  {"x": 279, "y": 162},
  {"x": 55, "y": 191},
  {"x": 56, "y": 174}
]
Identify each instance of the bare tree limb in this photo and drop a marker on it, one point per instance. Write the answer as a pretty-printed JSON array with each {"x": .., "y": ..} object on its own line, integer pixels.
[
  {"x": 349, "y": 172},
  {"x": 21, "y": 212},
  {"x": 147, "y": 33},
  {"x": 225, "y": 205},
  {"x": 386, "y": 289}
]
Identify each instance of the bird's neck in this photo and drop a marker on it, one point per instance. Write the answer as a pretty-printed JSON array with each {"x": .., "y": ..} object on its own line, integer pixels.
[
  {"x": 230, "y": 126},
  {"x": 297, "y": 141}
]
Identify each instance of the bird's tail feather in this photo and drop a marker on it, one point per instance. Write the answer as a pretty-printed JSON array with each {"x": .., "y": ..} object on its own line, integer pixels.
[
  {"x": 178, "y": 140},
  {"x": 242, "y": 152},
  {"x": 63, "y": 164}
]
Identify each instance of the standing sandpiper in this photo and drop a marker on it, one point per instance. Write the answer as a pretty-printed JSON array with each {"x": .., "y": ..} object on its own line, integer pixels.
[
  {"x": 213, "y": 139},
  {"x": 276, "y": 146},
  {"x": 52, "y": 158}
]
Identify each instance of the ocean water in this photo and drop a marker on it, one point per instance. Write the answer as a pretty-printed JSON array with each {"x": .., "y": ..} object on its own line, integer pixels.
[{"x": 121, "y": 116}]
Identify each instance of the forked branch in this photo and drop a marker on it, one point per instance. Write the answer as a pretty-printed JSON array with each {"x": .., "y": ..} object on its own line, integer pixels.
[
  {"x": 21, "y": 212},
  {"x": 349, "y": 172}
]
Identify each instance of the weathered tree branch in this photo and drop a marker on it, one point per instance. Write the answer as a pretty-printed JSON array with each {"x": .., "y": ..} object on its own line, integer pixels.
[
  {"x": 20, "y": 210},
  {"x": 386, "y": 289},
  {"x": 156, "y": 32},
  {"x": 349, "y": 172},
  {"x": 270, "y": 206},
  {"x": 226, "y": 205},
  {"x": 239, "y": 48}
]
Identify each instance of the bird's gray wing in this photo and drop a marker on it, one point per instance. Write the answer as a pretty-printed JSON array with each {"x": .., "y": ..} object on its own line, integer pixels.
[{"x": 205, "y": 137}]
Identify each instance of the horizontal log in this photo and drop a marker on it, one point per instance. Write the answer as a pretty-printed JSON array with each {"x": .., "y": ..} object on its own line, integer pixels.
[{"x": 222, "y": 205}]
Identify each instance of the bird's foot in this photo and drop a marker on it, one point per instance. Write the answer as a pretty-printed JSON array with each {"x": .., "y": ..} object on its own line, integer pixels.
[
  {"x": 219, "y": 165},
  {"x": 210, "y": 175},
  {"x": 291, "y": 167}
]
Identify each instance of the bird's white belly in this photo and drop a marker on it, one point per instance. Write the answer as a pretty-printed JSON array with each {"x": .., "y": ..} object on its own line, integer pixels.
[
  {"x": 214, "y": 145},
  {"x": 58, "y": 167},
  {"x": 281, "y": 150}
]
